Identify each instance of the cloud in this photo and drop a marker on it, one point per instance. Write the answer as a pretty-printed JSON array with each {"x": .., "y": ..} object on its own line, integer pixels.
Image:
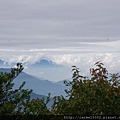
[
  {"x": 83, "y": 60},
  {"x": 86, "y": 61},
  {"x": 78, "y": 32},
  {"x": 72, "y": 52},
  {"x": 24, "y": 20},
  {"x": 67, "y": 57}
]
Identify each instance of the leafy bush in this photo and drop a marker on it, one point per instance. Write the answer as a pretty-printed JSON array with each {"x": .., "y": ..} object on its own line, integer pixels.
[
  {"x": 12, "y": 101},
  {"x": 17, "y": 102},
  {"x": 99, "y": 95}
]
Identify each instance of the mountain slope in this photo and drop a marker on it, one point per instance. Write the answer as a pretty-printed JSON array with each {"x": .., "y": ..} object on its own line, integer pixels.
[
  {"x": 61, "y": 82},
  {"x": 44, "y": 63},
  {"x": 48, "y": 70},
  {"x": 43, "y": 68},
  {"x": 38, "y": 86}
]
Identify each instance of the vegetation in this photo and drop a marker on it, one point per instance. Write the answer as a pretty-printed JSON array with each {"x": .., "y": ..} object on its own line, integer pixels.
[
  {"x": 98, "y": 95},
  {"x": 12, "y": 101}
]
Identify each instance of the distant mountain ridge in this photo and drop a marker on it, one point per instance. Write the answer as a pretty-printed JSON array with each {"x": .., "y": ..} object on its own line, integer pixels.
[
  {"x": 49, "y": 70},
  {"x": 44, "y": 63},
  {"x": 1, "y": 62},
  {"x": 43, "y": 68},
  {"x": 5, "y": 70},
  {"x": 38, "y": 86},
  {"x": 33, "y": 95},
  {"x": 62, "y": 82}
]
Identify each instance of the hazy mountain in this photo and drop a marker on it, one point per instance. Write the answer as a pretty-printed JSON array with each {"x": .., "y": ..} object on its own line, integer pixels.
[
  {"x": 38, "y": 86},
  {"x": 5, "y": 69},
  {"x": 1, "y": 62},
  {"x": 45, "y": 63},
  {"x": 44, "y": 68},
  {"x": 62, "y": 82},
  {"x": 33, "y": 95},
  {"x": 48, "y": 70}
]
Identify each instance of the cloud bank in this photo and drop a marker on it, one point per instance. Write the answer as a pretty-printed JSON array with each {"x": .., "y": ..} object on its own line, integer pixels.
[{"x": 78, "y": 32}]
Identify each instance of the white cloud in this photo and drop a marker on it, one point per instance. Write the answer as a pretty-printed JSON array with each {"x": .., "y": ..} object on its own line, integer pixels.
[
  {"x": 78, "y": 32},
  {"x": 84, "y": 61}
]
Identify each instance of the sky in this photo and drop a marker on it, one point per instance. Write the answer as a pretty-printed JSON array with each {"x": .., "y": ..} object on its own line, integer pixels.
[{"x": 68, "y": 32}]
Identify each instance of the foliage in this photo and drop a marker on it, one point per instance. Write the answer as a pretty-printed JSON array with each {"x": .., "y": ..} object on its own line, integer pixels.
[
  {"x": 12, "y": 101},
  {"x": 38, "y": 107},
  {"x": 17, "y": 102},
  {"x": 99, "y": 95}
]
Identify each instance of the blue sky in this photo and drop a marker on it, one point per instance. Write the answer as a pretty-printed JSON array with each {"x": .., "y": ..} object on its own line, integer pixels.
[{"x": 68, "y": 32}]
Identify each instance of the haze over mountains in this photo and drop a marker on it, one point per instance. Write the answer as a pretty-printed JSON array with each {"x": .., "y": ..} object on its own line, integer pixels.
[
  {"x": 48, "y": 70},
  {"x": 44, "y": 68},
  {"x": 39, "y": 85}
]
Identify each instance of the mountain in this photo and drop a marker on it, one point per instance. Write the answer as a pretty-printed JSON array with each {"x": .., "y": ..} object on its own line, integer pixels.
[
  {"x": 38, "y": 86},
  {"x": 44, "y": 68},
  {"x": 1, "y": 62},
  {"x": 49, "y": 70},
  {"x": 33, "y": 95},
  {"x": 5, "y": 70},
  {"x": 44, "y": 63},
  {"x": 62, "y": 82}
]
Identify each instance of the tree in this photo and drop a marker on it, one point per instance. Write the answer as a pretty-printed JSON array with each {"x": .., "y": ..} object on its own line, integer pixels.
[
  {"x": 99, "y": 95},
  {"x": 12, "y": 101},
  {"x": 38, "y": 106},
  {"x": 17, "y": 102}
]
